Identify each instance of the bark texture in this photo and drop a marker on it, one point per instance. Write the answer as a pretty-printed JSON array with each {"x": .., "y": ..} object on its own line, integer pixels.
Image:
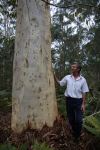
[{"x": 33, "y": 95}]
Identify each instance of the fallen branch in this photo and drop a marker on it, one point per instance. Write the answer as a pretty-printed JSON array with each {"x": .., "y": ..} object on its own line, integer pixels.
[{"x": 92, "y": 115}]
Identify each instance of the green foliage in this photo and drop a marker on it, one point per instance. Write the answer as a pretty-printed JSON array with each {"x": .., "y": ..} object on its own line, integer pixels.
[
  {"x": 5, "y": 105},
  {"x": 11, "y": 147},
  {"x": 23, "y": 147},
  {"x": 7, "y": 147},
  {"x": 77, "y": 42},
  {"x": 36, "y": 146},
  {"x": 92, "y": 102},
  {"x": 92, "y": 124},
  {"x": 5, "y": 101},
  {"x": 7, "y": 36},
  {"x": 62, "y": 106},
  {"x": 6, "y": 63},
  {"x": 40, "y": 146}
]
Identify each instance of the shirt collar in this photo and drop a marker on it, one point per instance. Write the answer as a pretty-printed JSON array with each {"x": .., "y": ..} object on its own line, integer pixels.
[{"x": 78, "y": 78}]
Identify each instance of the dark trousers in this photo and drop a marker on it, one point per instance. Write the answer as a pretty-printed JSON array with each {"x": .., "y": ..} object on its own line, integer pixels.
[{"x": 75, "y": 115}]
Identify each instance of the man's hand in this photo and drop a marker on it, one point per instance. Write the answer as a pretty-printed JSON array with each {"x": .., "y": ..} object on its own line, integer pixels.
[
  {"x": 83, "y": 107},
  {"x": 56, "y": 79},
  {"x": 84, "y": 102}
]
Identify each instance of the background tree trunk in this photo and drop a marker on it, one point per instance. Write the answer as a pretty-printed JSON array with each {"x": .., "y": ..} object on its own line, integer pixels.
[{"x": 33, "y": 95}]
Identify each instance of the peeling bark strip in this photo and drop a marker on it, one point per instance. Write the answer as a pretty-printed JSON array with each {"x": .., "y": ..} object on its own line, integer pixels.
[{"x": 33, "y": 95}]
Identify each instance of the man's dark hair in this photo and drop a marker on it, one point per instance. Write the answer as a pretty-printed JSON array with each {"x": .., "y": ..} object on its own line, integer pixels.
[{"x": 78, "y": 65}]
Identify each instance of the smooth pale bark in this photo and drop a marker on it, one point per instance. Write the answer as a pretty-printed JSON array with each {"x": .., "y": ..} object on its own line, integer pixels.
[{"x": 33, "y": 94}]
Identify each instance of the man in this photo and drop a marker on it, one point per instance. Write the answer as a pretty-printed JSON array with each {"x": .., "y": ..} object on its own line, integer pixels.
[{"x": 75, "y": 94}]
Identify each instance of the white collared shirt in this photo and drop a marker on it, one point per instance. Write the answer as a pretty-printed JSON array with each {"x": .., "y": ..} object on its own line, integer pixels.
[{"x": 75, "y": 87}]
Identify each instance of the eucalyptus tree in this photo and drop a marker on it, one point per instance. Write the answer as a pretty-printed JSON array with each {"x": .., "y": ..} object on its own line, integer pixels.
[{"x": 33, "y": 94}]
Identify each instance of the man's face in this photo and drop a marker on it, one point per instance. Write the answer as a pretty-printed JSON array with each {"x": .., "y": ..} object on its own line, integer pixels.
[{"x": 74, "y": 68}]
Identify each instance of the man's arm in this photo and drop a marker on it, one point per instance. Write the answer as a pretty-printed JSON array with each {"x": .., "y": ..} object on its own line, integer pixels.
[
  {"x": 85, "y": 89},
  {"x": 60, "y": 82},
  {"x": 84, "y": 102},
  {"x": 56, "y": 79}
]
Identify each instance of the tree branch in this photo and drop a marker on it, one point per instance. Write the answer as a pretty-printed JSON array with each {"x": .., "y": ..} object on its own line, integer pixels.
[{"x": 78, "y": 4}]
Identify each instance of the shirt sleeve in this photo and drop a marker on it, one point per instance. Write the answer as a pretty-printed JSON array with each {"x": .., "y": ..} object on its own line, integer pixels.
[
  {"x": 63, "y": 82},
  {"x": 85, "y": 88}
]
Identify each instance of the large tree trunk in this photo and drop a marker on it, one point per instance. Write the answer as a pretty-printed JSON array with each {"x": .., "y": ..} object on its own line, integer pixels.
[{"x": 33, "y": 95}]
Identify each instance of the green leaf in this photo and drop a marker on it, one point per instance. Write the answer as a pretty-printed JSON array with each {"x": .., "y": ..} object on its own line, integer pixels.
[
  {"x": 93, "y": 121},
  {"x": 40, "y": 146},
  {"x": 7, "y": 147},
  {"x": 92, "y": 124},
  {"x": 23, "y": 147},
  {"x": 94, "y": 131}
]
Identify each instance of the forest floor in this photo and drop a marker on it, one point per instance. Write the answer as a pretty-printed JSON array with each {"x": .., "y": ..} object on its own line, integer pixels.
[{"x": 58, "y": 137}]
